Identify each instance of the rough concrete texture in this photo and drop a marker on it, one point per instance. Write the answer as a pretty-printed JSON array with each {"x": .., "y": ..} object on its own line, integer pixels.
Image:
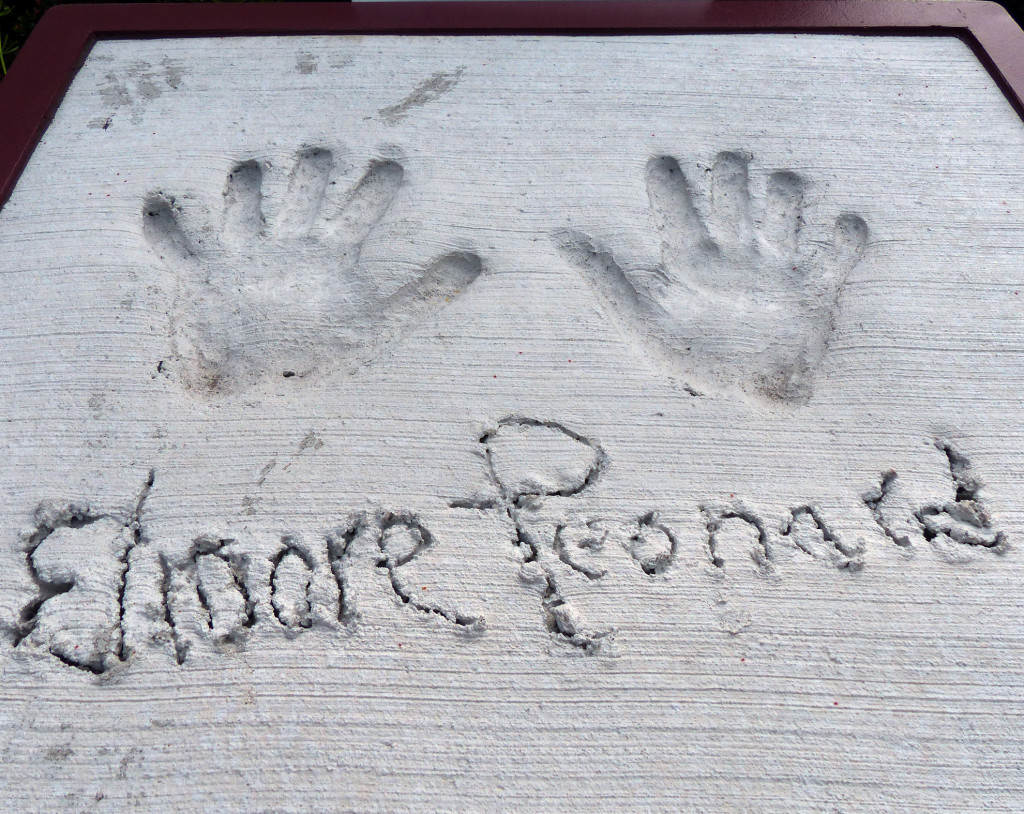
[{"x": 515, "y": 423}]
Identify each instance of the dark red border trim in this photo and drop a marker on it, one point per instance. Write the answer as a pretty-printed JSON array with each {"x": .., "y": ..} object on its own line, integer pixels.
[{"x": 47, "y": 62}]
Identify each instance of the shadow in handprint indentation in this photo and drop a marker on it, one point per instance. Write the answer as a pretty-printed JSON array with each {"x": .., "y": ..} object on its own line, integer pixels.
[
  {"x": 734, "y": 302},
  {"x": 289, "y": 297}
]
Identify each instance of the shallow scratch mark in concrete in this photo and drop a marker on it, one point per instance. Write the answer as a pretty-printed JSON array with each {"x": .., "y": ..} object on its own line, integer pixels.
[{"x": 427, "y": 91}]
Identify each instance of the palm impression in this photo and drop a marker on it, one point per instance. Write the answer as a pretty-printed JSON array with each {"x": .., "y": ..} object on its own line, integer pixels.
[
  {"x": 288, "y": 296},
  {"x": 734, "y": 301}
]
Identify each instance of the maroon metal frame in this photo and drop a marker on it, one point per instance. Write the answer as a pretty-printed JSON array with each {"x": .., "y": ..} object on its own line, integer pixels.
[{"x": 47, "y": 62}]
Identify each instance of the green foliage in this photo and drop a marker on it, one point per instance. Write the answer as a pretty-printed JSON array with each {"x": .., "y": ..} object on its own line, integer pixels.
[
  {"x": 8, "y": 45},
  {"x": 17, "y": 19}
]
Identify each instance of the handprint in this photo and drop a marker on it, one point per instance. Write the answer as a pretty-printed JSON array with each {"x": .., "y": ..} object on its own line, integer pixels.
[
  {"x": 734, "y": 302},
  {"x": 289, "y": 297}
]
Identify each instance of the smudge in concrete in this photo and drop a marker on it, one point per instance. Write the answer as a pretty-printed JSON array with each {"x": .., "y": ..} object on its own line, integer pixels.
[{"x": 427, "y": 91}]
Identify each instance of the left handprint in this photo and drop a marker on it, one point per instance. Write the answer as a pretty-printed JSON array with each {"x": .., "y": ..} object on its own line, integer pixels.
[{"x": 289, "y": 297}]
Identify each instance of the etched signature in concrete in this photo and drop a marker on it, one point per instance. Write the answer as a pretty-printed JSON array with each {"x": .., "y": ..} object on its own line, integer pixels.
[{"x": 105, "y": 591}]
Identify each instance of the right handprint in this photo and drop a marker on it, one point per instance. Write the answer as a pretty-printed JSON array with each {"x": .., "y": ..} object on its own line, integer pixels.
[{"x": 735, "y": 301}]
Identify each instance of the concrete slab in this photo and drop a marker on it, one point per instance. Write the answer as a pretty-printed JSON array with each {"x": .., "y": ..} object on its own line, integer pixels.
[{"x": 515, "y": 422}]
